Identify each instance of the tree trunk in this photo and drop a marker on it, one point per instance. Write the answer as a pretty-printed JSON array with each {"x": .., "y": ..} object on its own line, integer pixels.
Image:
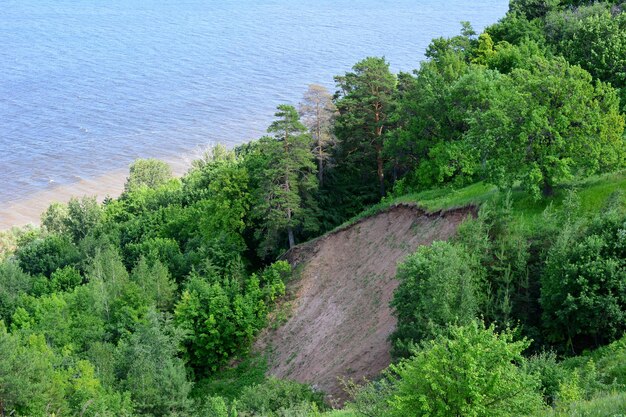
[
  {"x": 380, "y": 171},
  {"x": 379, "y": 151},
  {"x": 320, "y": 151},
  {"x": 292, "y": 240},
  {"x": 320, "y": 169},
  {"x": 548, "y": 189}
]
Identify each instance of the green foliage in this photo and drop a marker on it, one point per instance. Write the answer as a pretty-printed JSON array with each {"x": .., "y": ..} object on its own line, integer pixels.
[
  {"x": 36, "y": 381},
  {"x": 27, "y": 384},
  {"x": 65, "y": 279},
  {"x": 546, "y": 124},
  {"x": 434, "y": 112},
  {"x": 148, "y": 173},
  {"x": 216, "y": 407},
  {"x": 13, "y": 282},
  {"x": 220, "y": 190},
  {"x": 439, "y": 285},
  {"x": 82, "y": 217},
  {"x": 602, "y": 406},
  {"x": 365, "y": 101},
  {"x": 276, "y": 397},
  {"x": 54, "y": 219},
  {"x": 550, "y": 373},
  {"x": 515, "y": 28},
  {"x": 230, "y": 381},
  {"x": 594, "y": 38},
  {"x": 156, "y": 284},
  {"x": 45, "y": 255},
  {"x": 532, "y": 9},
  {"x": 221, "y": 315},
  {"x": 76, "y": 219},
  {"x": 286, "y": 182},
  {"x": 473, "y": 371},
  {"x": 150, "y": 370},
  {"x": 582, "y": 294}
]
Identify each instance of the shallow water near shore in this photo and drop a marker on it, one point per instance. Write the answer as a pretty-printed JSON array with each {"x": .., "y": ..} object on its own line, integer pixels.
[{"x": 87, "y": 87}]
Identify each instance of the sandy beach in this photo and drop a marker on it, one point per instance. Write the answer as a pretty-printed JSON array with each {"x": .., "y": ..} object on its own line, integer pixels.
[{"x": 28, "y": 211}]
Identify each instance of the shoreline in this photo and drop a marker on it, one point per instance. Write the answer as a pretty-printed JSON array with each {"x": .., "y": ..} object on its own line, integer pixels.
[{"x": 28, "y": 210}]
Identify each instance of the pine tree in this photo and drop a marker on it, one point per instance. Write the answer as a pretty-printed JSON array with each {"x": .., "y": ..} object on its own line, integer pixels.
[
  {"x": 288, "y": 179},
  {"x": 365, "y": 102}
]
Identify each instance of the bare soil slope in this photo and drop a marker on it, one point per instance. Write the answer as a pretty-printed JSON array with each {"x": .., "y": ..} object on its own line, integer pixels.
[{"x": 341, "y": 317}]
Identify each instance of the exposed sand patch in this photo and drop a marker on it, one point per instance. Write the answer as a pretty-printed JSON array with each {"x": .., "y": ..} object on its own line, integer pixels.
[
  {"x": 341, "y": 318},
  {"x": 28, "y": 211}
]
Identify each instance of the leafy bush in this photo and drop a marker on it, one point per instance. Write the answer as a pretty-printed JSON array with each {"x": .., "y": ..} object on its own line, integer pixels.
[
  {"x": 46, "y": 255},
  {"x": 275, "y": 397},
  {"x": 471, "y": 371},
  {"x": 221, "y": 314},
  {"x": 583, "y": 294},
  {"x": 439, "y": 285}
]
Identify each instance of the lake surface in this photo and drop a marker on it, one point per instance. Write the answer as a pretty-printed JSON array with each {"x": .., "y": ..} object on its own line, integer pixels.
[{"x": 88, "y": 86}]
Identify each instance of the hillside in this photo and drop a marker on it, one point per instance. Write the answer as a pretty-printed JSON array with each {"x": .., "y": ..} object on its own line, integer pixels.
[{"x": 340, "y": 319}]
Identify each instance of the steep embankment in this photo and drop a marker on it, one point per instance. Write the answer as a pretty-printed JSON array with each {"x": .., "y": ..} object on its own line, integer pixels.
[{"x": 340, "y": 320}]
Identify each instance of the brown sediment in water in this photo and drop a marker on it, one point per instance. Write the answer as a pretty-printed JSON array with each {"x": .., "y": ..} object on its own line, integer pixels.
[{"x": 28, "y": 210}]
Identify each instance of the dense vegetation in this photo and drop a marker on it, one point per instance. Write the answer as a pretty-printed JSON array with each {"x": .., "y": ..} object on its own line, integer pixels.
[{"x": 148, "y": 304}]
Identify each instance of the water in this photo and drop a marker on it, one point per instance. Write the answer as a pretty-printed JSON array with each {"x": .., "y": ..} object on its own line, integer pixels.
[{"x": 87, "y": 86}]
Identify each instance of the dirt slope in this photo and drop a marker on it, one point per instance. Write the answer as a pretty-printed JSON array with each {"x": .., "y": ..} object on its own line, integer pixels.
[{"x": 341, "y": 318}]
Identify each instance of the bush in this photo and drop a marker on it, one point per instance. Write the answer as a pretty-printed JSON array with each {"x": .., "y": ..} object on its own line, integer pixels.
[
  {"x": 439, "y": 285},
  {"x": 583, "y": 294},
  {"x": 46, "y": 255},
  {"x": 472, "y": 371},
  {"x": 149, "y": 173},
  {"x": 275, "y": 396}
]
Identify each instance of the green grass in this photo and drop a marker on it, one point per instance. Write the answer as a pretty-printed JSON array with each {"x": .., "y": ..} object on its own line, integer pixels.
[
  {"x": 229, "y": 382},
  {"x": 612, "y": 405},
  {"x": 593, "y": 193},
  {"x": 339, "y": 413}
]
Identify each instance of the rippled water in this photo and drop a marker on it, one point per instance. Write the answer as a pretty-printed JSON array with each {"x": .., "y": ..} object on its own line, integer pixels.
[{"x": 88, "y": 86}]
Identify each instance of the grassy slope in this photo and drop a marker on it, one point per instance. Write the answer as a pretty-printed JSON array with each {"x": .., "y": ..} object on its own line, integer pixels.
[{"x": 593, "y": 193}]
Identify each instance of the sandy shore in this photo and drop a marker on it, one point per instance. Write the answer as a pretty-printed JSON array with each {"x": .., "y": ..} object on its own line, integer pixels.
[{"x": 28, "y": 211}]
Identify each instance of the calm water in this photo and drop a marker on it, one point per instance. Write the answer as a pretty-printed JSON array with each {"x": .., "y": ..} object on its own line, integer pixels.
[{"x": 88, "y": 86}]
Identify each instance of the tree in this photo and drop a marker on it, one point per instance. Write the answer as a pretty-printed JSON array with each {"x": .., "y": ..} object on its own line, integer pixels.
[
  {"x": 55, "y": 217},
  {"x": 365, "y": 102},
  {"x": 317, "y": 111},
  {"x": 156, "y": 284},
  {"x": 439, "y": 285},
  {"x": 547, "y": 123},
  {"x": 220, "y": 186},
  {"x": 432, "y": 114},
  {"x": 582, "y": 288},
  {"x": 149, "y": 368},
  {"x": 150, "y": 173},
  {"x": 27, "y": 379},
  {"x": 472, "y": 372},
  {"x": 83, "y": 215},
  {"x": 45, "y": 255},
  {"x": 598, "y": 44},
  {"x": 13, "y": 283},
  {"x": 533, "y": 8},
  {"x": 286, "y": 181},
  {"x": 221, "y": 314}
]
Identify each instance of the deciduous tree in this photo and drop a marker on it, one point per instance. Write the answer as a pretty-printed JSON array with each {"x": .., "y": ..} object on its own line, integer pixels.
[{"x": 317, "y": 111}]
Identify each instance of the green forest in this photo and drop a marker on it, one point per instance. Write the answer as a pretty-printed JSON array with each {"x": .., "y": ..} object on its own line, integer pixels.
[{"x": 148, "y": 304}]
